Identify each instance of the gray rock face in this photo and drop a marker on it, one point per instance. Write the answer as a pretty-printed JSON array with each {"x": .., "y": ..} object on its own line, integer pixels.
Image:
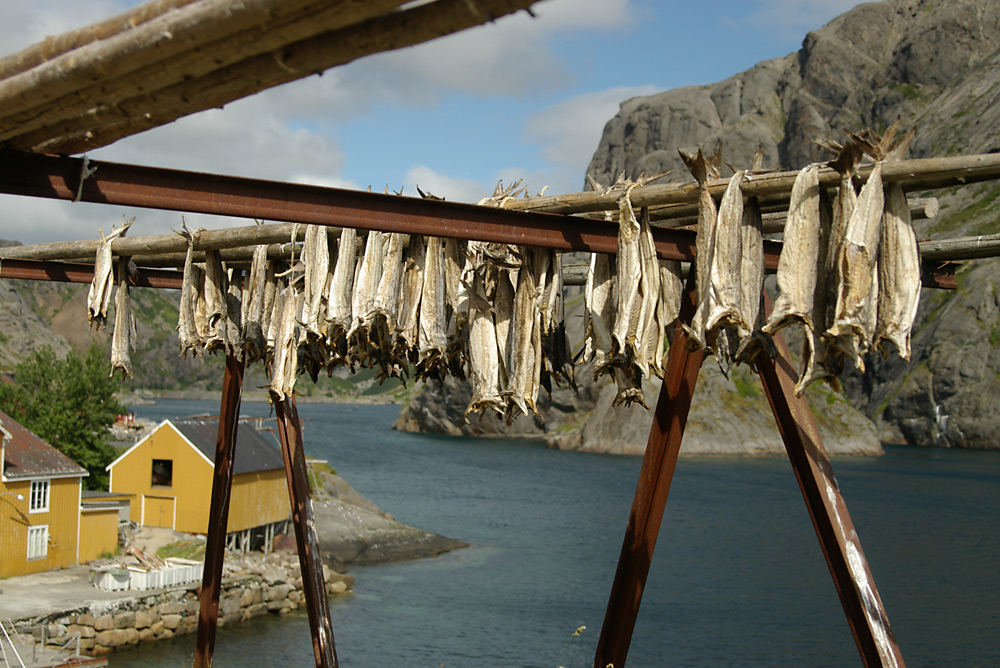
[{"x": 934, "y": 65}]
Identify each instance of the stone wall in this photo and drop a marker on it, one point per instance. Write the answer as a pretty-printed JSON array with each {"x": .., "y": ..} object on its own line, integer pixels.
[{"x": 253, "y": 587}]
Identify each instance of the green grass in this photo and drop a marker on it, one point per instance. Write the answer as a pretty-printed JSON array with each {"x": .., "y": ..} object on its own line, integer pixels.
[
  {"x": 744, "y": 386},
  {"x": 183, "y": 549}
]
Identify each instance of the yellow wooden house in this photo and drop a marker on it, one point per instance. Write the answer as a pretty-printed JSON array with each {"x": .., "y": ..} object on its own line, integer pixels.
[
  {"x": 169, "y": 475},
  {"x": 40, "y": 490}
]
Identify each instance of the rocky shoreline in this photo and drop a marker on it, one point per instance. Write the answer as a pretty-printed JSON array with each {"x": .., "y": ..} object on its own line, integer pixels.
[{"x": 253, "y": 585}]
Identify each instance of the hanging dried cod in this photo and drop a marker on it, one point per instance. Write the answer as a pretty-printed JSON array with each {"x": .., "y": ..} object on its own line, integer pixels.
[
  {"x": 339, "y": 299},
  {"x": 187, "y": 330},
  {"x": 433, "y": 335},
  {"x": 123, "y": 339},
  {"x": 316, "y": 261},
  {"x": 702, "y": 170},
  {"x": 253, "y": 306},
  {"x": 898, "y": 267},
  {"x": 408, "y": 317},
  {"x": 365, "y": 289},
  {"x": 285, "y": 366},
  {"x": 525, "y": 336},
  {"x": 557, "y": 359},
  {"x": 599, "y": 312},
  {"x": 483, "y": 354},
  {"x": 798, "y": 265},
  {"x": 385, "y": 306},
  {"x": 99, "y": 296},
  {"x": 851, "y": 332},
  {"x": 216, "y": 309},
  {"x": 725, "y": 273}
]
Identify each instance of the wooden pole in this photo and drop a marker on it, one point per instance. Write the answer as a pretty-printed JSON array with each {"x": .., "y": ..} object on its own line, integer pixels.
[
  {"x": 101, "y": 125},
  {"x": 828, "y": 510},
  {"x": 218, "y": 514},
  {"x": 310, "y": 559},
  {"x": 197, "y": 41},
  {"x": 138, "y": 247},
  {"x": 658, "y": 464},
  {"x": 920, "y": 174}
]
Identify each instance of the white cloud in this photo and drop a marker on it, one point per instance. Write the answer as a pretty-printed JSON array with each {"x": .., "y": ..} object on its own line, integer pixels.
[
  {"x": 792, "y": 19},
  {"x": 568, "y": 132},
  {"x": 452, "y": 188}
]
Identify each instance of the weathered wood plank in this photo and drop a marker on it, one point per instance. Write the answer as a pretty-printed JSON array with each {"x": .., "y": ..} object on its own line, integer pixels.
[
  {"x": 104, "y": 124},
  {"x": 242, "y": 39}
]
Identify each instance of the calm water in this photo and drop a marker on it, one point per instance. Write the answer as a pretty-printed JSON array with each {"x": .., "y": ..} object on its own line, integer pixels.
[{"x": 738, "y": 578}]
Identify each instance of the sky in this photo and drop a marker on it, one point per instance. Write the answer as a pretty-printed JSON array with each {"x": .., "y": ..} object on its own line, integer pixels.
[{"x": 521, "y": 98}]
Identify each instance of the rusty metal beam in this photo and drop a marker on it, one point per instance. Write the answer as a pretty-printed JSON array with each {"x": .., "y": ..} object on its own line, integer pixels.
[
  {"x": 58, "y": 177},
  {"x": 310, "y": 559},
  {"x": 658, "y": 464},
  {"x": 74, "y": 272},
  {"x": 218, "y": 514},
  {"x": 828, "y": 510},
  {"x": 176, "y": 190}
]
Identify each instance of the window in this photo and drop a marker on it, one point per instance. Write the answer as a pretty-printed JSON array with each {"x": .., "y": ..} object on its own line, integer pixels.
[
  {"x": 38, "y": 542},
  {"x": 39, "y": 497},
  {"x": 163, "y": 472}
]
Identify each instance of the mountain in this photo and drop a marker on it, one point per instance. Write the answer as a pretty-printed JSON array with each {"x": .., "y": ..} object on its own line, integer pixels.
[{"x": 935, "y": 66}]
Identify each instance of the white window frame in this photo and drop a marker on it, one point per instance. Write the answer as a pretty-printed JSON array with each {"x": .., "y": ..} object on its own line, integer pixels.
[
  {"x": 39, "y": 496},
  {"x": 38, "y": 542}
]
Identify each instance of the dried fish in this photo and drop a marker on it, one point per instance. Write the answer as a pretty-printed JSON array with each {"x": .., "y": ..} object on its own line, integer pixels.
[
  {"x": 646, "y": 349},
  {"x": 752, "y": 282},
  {"x": 483, "y": 356},
  {"x": 797, "y": 265},
  {"x": 407, "y": 346},
  {"x": 601, "y": 304},
  {"x": 99, "y": 296},
  {"x": 253, "y": 306},
  {"x": 899, "y": 275},
  {"x": 365, "y": 288},
  {"x": 123, "y": 339},
  {"x": 726, "y": 271},
  {"x": 316, "y": 258},
  {"x": 525, "y": 336},
  {"x": 503, "y": 315},
  {"x": 629, "y": 383},
  {"x": 705, "y": 244},
  {"x": 668, "y": 309},
  {"x": 433, "y": 336},
  {"x": 216, "y": 308},
  {"x": 628, "y": 277},
  {"x": 284, "y": 367},
  {"x": 458, "y": 276},
  {"x": 234, "y": 328},
  {"x": 187, "y": 330},
  {"x": 341, "y": 292},
  {"x": 850, "y": 334},
  {"x": 557, "y": 358},
  {"x": 382, "y": 318}
]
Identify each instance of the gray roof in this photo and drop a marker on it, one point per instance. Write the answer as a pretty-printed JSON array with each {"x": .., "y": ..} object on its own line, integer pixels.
[
  {"x": 254, "y": 451},
  {"x": 26, "y": 455}
]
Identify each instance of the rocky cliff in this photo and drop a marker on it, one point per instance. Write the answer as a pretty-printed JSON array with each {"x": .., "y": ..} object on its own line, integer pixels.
[{"x": 934, "y": 65}]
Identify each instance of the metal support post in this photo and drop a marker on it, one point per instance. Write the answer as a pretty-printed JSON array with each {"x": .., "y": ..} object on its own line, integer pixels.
[
  {"x": 834, "y": 528},
  {"x": 310, "y": 559},
  {"x": 218, "y": 517},
  {"x": 658, "y": 464}
]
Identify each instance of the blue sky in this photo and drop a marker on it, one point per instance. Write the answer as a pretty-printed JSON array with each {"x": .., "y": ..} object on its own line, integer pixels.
[{"x": 521, "y": 98}]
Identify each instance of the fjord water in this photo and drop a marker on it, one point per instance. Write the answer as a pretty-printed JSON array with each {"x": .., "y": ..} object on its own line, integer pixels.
[{"x": 738, "y": 578}]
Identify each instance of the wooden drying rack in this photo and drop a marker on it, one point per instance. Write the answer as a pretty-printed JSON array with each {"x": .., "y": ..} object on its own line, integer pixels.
[{"x": 116, "y": 184}]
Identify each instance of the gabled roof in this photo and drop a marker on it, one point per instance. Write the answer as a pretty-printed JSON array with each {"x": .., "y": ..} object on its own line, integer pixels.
[
  {"x": 254, "y": 451},
  {"x": 25, "y": 455}
]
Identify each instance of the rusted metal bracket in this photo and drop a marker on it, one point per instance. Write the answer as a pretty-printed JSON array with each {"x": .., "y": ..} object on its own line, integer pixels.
[
  {"x": 78, "y": 272},
  {"x": 828, "y": 510},
  {"x": 310, "y": 559},
  {"x": 222, "y": 482},
  {"x": 658, "y": 464}
]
